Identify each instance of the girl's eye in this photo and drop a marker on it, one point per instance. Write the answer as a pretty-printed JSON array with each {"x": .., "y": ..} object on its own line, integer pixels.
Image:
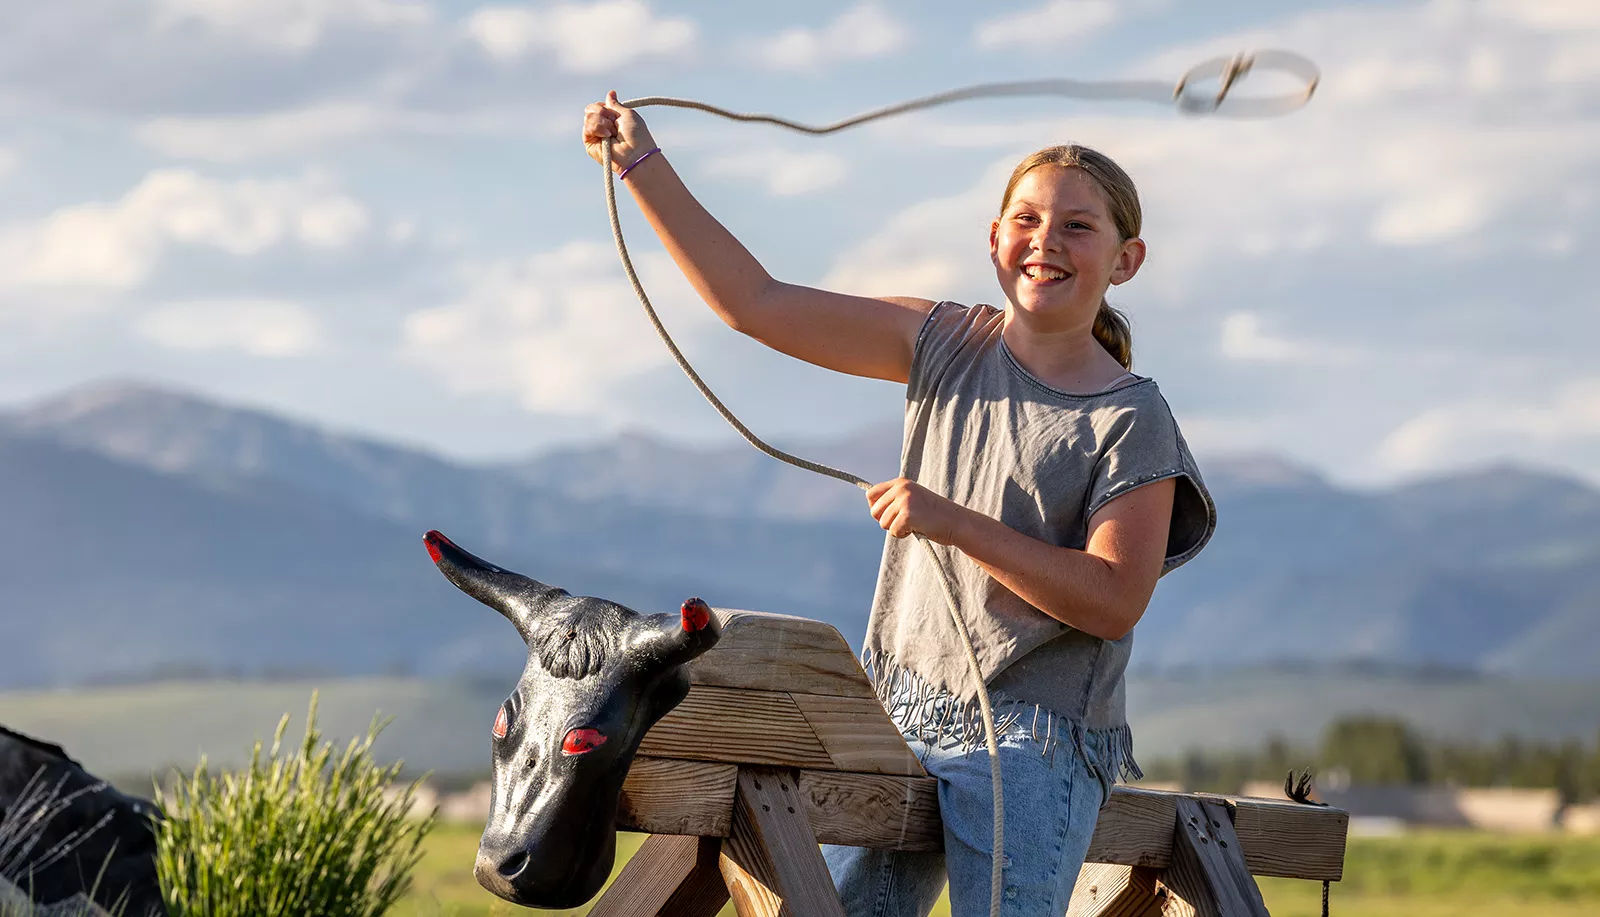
[{"x": 1074, "y": 224}]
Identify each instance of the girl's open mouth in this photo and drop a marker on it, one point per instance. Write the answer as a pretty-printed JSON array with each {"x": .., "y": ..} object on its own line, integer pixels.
[{"x": 1041, "y": 273}]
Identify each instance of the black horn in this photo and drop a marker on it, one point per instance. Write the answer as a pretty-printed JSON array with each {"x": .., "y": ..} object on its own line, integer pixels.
[
  {"x": 673, "y": 639},
  {"x": 522, "y": 599}
]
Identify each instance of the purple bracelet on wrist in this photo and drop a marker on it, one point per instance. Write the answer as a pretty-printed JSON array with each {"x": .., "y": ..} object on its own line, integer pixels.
[{"x": 624, "y": 173}]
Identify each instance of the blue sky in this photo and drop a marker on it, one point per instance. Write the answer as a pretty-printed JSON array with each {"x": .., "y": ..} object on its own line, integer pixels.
[{"x": 376, "y": 214}]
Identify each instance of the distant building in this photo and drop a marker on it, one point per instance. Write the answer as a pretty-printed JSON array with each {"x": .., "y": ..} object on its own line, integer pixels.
[{"x": 1485, "y": 808}]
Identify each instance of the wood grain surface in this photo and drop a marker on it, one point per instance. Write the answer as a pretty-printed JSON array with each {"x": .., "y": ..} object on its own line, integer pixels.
[
  {"x": 771, "y": 833},
  {"x": 1207, "y": 871},
  {"x": 895, "y": 812},
  {"x": 771, "y": 652}
]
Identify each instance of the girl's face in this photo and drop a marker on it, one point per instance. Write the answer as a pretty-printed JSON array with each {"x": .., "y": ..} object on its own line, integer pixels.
[{"x": 1056, "y": 248}]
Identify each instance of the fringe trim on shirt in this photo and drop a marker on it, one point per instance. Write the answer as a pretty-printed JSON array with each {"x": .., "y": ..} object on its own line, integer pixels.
[{"x": 931, "y": 713}]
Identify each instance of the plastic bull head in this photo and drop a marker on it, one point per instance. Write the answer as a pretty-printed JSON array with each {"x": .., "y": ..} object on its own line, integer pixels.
[{"x": 598, "y": 677}]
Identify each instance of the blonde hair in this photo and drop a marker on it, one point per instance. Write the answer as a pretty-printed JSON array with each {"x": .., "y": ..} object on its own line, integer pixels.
[{"x": 1111, "y": 327}]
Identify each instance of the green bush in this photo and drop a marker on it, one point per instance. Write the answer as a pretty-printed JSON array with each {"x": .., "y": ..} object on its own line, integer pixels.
[{"x": 297, "y": 834}]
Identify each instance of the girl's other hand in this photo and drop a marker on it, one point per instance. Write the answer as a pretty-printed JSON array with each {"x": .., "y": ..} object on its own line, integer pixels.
[
  {"x": 630, "y": 139},
  {"x": 904, "y": 507}
]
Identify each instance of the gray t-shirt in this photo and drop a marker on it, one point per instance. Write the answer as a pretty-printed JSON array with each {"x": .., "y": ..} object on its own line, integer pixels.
[{"x": 984, "y": 432}]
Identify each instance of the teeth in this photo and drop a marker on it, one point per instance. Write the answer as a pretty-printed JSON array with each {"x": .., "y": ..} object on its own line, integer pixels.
[{"x": 1040, "y": 272}]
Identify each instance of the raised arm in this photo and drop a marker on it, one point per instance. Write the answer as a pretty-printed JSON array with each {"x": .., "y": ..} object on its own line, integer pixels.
[{"x": 859, "y": 335}]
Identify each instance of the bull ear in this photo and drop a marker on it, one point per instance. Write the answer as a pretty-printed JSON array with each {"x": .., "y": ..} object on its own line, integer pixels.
[
  {"x": 674, "y": 639},
  {"x": 523, "y": 600}
]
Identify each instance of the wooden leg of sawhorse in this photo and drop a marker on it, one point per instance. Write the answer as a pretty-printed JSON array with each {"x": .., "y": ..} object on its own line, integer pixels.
[
  {"x": 1108, "y": 890},
  {"x": 770, "y": 861},
  {"x": 769, "y": 865},
  {"x": 1207, "y": 877},
  {"x": 670, "y": 876}
]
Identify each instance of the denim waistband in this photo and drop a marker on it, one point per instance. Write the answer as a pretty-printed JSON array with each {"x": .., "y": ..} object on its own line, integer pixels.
[{"x": 932, "y": 714}]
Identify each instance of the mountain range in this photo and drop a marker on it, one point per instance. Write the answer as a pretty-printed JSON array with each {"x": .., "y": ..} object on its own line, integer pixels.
[{"x": 150, "y": 531}]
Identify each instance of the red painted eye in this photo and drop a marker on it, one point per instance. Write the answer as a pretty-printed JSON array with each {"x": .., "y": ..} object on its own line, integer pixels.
[
  {"x": 696, "y": 615},
  {"x": 501, "y": 724},
  {"x": 581, "y": 741}
]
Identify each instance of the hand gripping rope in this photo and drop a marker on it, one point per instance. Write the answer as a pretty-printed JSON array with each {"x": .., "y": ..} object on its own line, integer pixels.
[{"x": 1226, "y": 70}]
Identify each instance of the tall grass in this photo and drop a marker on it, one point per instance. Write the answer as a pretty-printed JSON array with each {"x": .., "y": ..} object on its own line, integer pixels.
[
  {"x": 299, "y": 833},
  {"x": 22, "y": 830}
]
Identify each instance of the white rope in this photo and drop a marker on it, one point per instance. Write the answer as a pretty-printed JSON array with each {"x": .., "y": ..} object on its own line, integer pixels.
[{"x": 1227, "y": 72}]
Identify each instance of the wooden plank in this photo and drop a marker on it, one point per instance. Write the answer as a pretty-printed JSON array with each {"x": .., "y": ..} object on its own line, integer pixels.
[
  {"x": 858, "y": 735},
  {"x": 891, "y": 812},
  {"x": 1279, "y": 837},
  {"x": 1285, "y": 838},
  {"x": 1135, "y": 829},
  {"x": 870, "y": 810},
  {"x": 745, "y": 875},
  {"x": 1208, "y": 870},
  {"x": 738, "y": 726},
  {"x": 772, "y": 842},
  {"x": 769, "y": 652},
  {"x": 670, "y": 876},
  {"x": 663, "y": 796},
  {"x": 1108, "y": 890}
]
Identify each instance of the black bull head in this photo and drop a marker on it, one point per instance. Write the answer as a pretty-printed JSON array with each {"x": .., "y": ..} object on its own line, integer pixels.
[{"x": 598, "y": 677}]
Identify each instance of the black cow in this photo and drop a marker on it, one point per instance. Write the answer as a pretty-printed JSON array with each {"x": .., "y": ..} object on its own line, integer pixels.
[
  {"x": 598, "y": 677},
  {"x": 49, "y": 799}
]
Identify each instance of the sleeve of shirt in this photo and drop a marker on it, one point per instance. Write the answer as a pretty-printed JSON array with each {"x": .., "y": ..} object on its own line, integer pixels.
[
  {"x": 943, "y": 333},
  {"x": 1144, "y": 446}
]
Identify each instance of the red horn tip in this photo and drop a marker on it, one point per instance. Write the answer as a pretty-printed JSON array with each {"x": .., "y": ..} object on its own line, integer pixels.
[
  {"x": 696, "y": 615},
  {"x": 432, "y": 540}
]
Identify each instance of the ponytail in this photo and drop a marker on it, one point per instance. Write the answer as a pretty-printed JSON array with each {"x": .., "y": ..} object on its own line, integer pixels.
[{"x": 1111, "y": 329}]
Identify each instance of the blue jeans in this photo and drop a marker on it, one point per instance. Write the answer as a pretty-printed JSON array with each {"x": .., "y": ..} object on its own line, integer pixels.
[{"x": 1051, "y": 803}]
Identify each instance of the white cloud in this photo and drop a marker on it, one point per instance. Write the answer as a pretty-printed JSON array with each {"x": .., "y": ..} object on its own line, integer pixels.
[
  {"x": 1047, "y": 26},
  {"x": 859, "y": 33},
  {"x": 1231, "y": 434},
  {"x": 1559, "y": 424},
  {"x": 1244, "y": 340},
  {"x": 242, "y": 138},
  {"x": 117, "y": 245},
  {"x": 558, "y": 329},
  {"x": 258, "y": 327},
  {"x": 10, "y": 160},
  {"x": 1432, "y": 126},
  {"x": 934, "y": 248},
  {"x": 287, "y": 25},
  {"x": 1548, "y": 14},
  {"x": 292, "y": 132},
  {"x": 585, "y": 38},
  {"x": 784, "y": 173}
]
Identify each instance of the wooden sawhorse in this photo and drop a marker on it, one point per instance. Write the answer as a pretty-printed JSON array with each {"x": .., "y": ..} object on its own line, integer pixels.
[{"x": 781, "y": 745}]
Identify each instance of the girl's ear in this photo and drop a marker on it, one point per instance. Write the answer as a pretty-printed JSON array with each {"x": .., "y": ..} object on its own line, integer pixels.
[
  {"x": 1128, "y": 261},
  {"x": 994, "y": 242}
]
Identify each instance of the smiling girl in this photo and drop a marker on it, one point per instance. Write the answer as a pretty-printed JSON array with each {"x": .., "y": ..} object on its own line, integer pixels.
[{"x": 1055, "y": 478}]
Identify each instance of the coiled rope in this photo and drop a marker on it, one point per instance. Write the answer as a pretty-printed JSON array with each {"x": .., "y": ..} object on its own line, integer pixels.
[{"x": 1226, "y": 70}]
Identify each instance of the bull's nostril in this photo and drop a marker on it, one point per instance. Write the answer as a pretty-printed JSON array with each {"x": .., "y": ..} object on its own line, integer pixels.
[{"x": 513, "y": 867}]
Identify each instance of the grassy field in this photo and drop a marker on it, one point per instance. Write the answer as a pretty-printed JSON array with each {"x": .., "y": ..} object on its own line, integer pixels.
[{"x": 1429, "y": 874}]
